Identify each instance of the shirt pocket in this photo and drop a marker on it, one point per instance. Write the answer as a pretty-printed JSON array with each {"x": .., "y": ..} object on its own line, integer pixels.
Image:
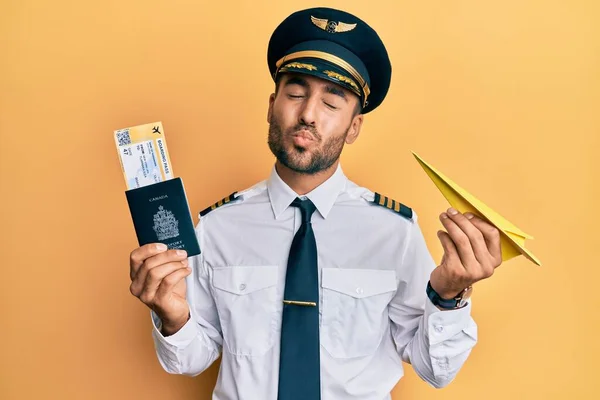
[
  {"x": 246, "y": 302},
  {"x": 354, "y": 310}
]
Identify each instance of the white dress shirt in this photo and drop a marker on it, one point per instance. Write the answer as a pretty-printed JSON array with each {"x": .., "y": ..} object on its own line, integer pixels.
[{"x": 374, "y": 313}]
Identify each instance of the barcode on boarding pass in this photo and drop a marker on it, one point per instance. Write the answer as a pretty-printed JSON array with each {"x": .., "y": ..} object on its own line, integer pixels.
[{"x": 123, "y": 137}]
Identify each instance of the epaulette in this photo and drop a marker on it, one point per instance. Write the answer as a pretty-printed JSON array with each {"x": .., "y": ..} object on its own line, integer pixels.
[
  {"x": 219, "y": 203},
  {"x": 393, "y": 205}
]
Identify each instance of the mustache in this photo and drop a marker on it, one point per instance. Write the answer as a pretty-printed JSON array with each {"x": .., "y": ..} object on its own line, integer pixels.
[{"x": 304, "y": 127}]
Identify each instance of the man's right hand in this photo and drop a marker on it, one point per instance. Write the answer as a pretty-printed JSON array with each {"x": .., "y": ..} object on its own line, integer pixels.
[{"x": 157, "y": 279}]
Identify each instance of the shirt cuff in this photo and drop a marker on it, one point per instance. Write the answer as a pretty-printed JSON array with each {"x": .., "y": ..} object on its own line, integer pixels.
[
  {"x": 179, "y": 339},
  {"x": 442, "y": 325}
]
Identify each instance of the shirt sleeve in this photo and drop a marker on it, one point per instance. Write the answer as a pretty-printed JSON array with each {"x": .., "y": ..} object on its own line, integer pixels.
[
  {"x": 436, "y": 343},
  {"x": 193, "y": 348}
]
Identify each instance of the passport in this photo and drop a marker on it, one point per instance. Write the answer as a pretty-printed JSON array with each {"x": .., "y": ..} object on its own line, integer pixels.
[{"x": 161, "y": 214}]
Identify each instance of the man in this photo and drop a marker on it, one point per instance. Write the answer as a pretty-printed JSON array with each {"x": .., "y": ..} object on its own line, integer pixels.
[{"x": 310, "y": 286}]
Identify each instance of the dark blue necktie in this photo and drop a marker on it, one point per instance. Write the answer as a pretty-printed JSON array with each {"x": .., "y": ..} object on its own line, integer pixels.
[{"x": 299, "y": 363}]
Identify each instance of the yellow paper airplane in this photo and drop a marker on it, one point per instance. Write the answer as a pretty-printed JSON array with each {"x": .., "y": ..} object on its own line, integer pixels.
[{"x": 512, "y": 239}]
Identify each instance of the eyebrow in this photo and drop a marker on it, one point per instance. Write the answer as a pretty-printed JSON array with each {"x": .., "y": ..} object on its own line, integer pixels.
[
  {"x": 336, "y": 91},
  {"x": 296, "y": 80}
]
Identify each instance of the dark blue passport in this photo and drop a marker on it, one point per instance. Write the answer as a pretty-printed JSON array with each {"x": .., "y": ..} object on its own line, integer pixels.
[{"x": 161, "y": 214}]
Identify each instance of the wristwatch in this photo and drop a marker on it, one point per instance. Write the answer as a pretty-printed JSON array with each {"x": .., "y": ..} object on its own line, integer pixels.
[{"x": 459, "y": 301}]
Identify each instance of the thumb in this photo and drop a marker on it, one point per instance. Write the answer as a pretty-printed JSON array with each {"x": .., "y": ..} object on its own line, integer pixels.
[{"x": 448, "y": 245}]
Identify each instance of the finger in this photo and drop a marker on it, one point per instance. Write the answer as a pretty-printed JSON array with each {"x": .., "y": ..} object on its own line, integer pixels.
[
  {"x": 491, "y": 235},
  {"x": 450, "y": 252},
  {"x": 475, "y": 236},
  {"x": 461, "y": 242},
  {"x": 169, "y": 282},
  {"x": 139, "y": 255},
  {"x": 162, "y": 258},
  {"x": 155, "y": 276},
  {"x": 140, "y": 280}
]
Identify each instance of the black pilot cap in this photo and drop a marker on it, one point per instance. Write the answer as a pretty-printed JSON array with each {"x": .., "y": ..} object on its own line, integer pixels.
[{"x": 336, "y": 46}]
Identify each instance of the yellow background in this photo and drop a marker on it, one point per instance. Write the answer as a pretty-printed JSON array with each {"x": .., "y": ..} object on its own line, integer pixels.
[{"x": 502, "y": 96}]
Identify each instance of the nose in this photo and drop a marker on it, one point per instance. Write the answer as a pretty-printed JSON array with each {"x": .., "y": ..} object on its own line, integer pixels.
[{"x": 308, "y": 112}]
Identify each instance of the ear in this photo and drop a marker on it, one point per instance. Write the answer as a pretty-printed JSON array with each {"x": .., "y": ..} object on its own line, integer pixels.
[
  {"x": 270, "y": 110},
  {"x": 354, "y": 130}
]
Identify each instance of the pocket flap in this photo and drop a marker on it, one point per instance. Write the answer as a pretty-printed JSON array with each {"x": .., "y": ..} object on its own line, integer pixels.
[
  {"x": 359, "y": 283},
  {"x": 244, "y": 280}
]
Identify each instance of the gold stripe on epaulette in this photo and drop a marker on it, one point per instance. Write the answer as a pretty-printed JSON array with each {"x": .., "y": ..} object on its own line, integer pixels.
[
  {"x": 393, "y": 205},
  {"x": 218, "y": 204}
]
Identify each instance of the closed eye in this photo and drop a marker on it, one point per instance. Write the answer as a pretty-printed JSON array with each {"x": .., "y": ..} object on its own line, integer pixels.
[{"x": 330, "y": 105}]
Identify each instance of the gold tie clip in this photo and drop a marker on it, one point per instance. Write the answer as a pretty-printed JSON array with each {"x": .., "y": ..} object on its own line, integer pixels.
[{"x": 300, "y": 303}]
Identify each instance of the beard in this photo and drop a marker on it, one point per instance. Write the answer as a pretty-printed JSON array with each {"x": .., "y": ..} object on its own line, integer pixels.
[{"x": 300, "y": 159}]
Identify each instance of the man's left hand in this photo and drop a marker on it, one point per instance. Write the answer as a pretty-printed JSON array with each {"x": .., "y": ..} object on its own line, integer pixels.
[{"x": 471, "y": 253}]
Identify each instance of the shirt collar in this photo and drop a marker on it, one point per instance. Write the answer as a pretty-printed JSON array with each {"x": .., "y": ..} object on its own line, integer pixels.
[{"x": 323, "y": 196}]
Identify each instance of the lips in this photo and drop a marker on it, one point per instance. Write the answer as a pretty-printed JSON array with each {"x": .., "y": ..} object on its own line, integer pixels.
[
  {"x": 303, "y": 134},
  {"x": 303, "y": 139}
]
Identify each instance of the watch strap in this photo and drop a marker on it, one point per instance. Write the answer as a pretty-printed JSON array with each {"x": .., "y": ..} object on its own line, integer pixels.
[{"x": 440, "y": 302}]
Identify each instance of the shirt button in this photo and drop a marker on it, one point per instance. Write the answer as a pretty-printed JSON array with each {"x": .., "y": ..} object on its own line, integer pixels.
[
  {"x": 359, "y": 290},
  {"x": 243, "y": 286},
  {"x": 439, "y": 328}
]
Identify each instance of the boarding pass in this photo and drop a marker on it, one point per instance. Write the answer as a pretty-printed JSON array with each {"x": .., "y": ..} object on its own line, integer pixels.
[{"x": 143, "y": 154}]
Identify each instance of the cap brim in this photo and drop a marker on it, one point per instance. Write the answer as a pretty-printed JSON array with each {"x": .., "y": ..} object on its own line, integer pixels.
[{"x": 324, "y": 70}]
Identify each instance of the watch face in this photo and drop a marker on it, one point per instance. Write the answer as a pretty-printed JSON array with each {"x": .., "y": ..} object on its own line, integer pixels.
[
  {"x": 465, "y": 296},
  {"x": 468, "y": 293}
]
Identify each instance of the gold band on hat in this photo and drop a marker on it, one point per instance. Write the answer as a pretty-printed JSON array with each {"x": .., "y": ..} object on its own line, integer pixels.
[
  {"x": 309, "y": 67},
  {"x": 332, "y": 59},
  {"x": 344, "y": 79},
  {"x": 331, "y": 74}
]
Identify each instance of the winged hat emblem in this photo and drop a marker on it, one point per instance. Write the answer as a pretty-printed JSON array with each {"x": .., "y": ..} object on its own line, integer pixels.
[{"x": 332, "y": 26}]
